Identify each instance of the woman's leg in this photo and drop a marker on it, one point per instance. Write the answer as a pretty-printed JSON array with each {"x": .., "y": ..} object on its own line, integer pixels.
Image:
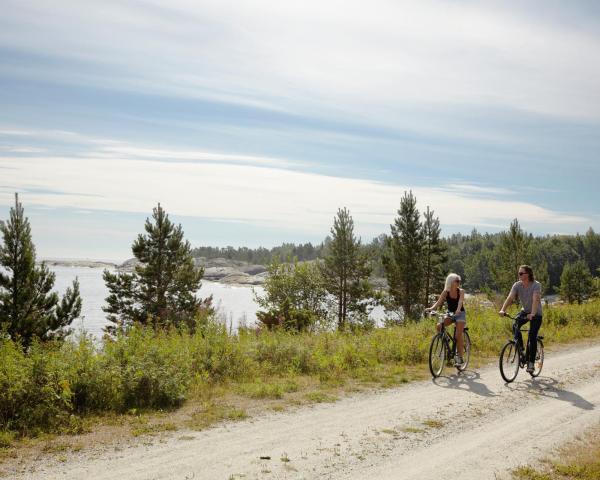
[
  {"x": 460, "y": 339},
  {"x": 447, "y": 321}
]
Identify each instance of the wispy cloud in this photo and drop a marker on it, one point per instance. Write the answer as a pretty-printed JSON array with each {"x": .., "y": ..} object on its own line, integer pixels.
[
  {"x": 9, "y": 149},
  {"x": 343, "y": 56},
  {"x": 466, "y": 188},
  {"x": 123, "y": 151},
  {"x": 276, "y": 113},
  {"x": 223, "y": 189}
]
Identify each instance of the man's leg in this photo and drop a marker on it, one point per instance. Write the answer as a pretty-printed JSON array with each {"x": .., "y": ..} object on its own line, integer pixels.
[{"x": 534, "y": 328}]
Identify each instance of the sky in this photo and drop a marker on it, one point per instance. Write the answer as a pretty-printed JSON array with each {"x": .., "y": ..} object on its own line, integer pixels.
[{"x": 253, "y": 122}]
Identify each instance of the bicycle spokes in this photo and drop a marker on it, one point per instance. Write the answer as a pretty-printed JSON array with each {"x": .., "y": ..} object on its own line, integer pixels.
[
  {"x": 437, "y": 355},
  {"x": 509, "y": 362}
]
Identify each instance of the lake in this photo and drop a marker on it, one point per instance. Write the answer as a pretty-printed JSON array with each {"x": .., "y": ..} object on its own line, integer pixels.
[{"x": 235, "y": 304}]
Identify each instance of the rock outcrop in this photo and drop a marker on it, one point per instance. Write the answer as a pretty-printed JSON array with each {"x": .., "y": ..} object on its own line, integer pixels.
[{"x": 232, "y": 272}]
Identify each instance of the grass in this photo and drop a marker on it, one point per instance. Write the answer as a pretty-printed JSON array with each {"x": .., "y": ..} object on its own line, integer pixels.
[
  {"x": 432, "y": 423},
  {"x": 579, "y": 460},
  {"x": 320, "y": 397},
  {"x": 412, "y": 430},
  {"x": 181, "y": 380},
  {"x": 6, "y": 439},
  {"x": 211, "y": 413}
]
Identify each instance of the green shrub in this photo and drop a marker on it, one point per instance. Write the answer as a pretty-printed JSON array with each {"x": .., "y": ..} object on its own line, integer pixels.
[{"x": 52, "y": 386}]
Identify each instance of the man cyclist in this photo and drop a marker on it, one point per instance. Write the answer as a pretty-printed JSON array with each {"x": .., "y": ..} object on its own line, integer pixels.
[{"x": 528, "y": 291}]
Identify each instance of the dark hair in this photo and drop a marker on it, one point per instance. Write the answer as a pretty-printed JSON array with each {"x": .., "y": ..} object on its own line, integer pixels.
[{"x": 529, "y": 271}]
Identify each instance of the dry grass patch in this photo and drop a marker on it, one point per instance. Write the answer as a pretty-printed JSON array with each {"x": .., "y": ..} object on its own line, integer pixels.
[
  {"x": 433, "y": 423},
  {"x": 320, "y": 397},
  {"x": 211, "y": 413},
  {"x": 412, "y": 430},
  {"x": 579, "y": 460}
]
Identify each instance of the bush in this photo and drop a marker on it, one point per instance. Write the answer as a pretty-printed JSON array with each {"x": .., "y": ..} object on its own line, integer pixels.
[{"x": 50, "y": 386}]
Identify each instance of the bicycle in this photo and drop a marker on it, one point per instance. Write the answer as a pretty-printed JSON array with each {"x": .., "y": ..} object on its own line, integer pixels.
[
  {"x": 443, "y": 348},
  {"x": 513, "y": 357}
]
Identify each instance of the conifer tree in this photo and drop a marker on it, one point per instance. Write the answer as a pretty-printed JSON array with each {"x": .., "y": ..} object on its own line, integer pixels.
[
  {"x": 162, "y": 289},
  {"x": 346, "y": 270},
  {"x": 403, "y": 260},
  {"x": 434, "y": 255},
  {"x": 591, "y": 248},
  {"x": 576, "y": 282},
  {"x": 512, "y": 251},
  {"x": 28, "y": 307}
]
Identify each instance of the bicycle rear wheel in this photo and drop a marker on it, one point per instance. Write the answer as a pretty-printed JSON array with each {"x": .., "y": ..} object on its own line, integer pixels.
[
  {"x": 539, "y": 359},
  {"x": 466, "y": 353},
  {"x": 509, "y": 362},
  {"x": 437, "y": 355}
]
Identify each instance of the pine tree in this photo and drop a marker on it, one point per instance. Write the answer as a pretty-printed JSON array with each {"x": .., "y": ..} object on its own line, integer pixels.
[
  {"x": 346, "y": 270},
  {"x": 162, "y": 289},
  {"x": 591, "y": 248},
  {"x": 28, "y": 307},
  {"x": 512, "y": 251},
  {"x": 434, "y": 255},
  {"x": 576, "y": 282},
  {"x": 403, "y": 260}
]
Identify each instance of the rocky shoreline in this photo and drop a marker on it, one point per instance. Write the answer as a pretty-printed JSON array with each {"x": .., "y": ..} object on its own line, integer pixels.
[{"x": 222, "y": 270}]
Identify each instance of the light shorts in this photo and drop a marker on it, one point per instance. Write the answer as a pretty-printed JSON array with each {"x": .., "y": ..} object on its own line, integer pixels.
[{"x": 461, "y": 317}]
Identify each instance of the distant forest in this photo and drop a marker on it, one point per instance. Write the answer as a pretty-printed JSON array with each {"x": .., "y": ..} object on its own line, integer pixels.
[{"x": 472, "y": 256}]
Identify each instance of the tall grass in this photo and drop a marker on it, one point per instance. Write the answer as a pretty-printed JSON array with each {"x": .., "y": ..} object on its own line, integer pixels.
[{"x": 51, "y": 386}]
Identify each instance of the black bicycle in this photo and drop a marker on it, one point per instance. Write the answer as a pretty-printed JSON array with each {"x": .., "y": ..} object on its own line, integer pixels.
[
  {"x": 513, "y": 356},
  {"x": 443, "y": 348}
]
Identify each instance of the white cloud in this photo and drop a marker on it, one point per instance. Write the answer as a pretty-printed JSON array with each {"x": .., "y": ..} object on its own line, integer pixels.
[
  {"x": 127, "y": 151},
  {"x": 467, "y": 188},
  {"x": 380, "y": 60},
  {"x": 21, "y": 149},
  {"x": 258, "y": 194}
]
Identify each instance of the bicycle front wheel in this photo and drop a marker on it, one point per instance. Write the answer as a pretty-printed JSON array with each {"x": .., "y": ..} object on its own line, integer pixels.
[
  {"x": 509, "y": 362},
  {"x": 466, "y": 353},
  {"x": 539, "y": 359},
  {"x": 437, "y": 355}
]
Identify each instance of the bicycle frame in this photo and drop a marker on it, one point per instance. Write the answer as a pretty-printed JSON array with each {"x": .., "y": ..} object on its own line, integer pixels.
[
  {"x": 522, "y": 350},
  {"x": 449, "y": 339},
  {"x": 444, "y": 346},
  {"x": 510, "y": 363}
]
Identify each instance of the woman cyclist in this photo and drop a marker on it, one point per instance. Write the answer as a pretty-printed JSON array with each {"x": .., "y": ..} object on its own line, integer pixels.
[
  {"x": 529, "y": 293},
  {"x": 454, "y": 296}
]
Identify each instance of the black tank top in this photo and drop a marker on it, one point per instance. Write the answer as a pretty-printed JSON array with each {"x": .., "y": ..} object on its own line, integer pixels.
[{"x": 453, "y": 302}]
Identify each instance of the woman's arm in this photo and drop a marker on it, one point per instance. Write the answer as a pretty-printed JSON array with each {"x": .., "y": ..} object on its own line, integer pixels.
[{"x": 440, "y": 300}]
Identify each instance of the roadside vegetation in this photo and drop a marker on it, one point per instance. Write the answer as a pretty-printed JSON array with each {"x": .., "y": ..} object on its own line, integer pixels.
[
  {"x": 579, "y": 460},
  {"x": 54, "y": 386},
  {"x": 166, "y": 352}
]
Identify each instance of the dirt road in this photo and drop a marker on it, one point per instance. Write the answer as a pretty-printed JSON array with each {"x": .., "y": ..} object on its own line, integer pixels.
[{"x": 473, "y": 425}]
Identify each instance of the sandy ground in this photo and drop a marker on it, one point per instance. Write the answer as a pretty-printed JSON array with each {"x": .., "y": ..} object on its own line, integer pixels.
[{"x": 472, "y": 425}]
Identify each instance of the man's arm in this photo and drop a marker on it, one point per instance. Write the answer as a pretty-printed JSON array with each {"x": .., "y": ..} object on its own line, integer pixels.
[
  {"x": 508, "y": 302},
  {"x": 536, "y": 299}
]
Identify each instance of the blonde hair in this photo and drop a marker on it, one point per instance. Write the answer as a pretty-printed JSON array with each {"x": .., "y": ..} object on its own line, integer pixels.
[{"x": 450, "y": 279}]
